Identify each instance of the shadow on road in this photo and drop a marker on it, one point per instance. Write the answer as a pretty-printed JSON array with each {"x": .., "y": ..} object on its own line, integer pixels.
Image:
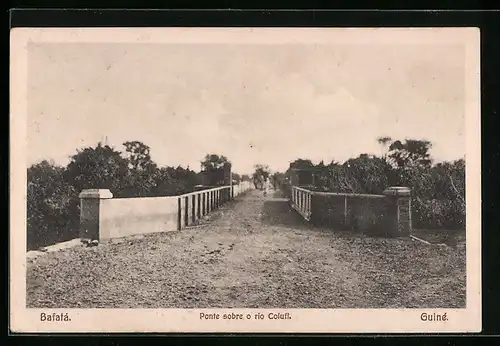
[{"x": 277, "y": 212}]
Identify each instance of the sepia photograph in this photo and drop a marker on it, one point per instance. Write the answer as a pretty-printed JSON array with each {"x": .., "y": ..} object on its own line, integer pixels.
[{"x": 196, "y": 179}]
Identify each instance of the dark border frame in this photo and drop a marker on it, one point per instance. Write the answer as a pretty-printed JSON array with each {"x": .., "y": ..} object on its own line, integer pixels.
[{"x": 487, "y": 21}]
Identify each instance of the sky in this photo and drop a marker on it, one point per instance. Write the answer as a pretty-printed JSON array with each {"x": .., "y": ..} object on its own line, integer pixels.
[{"x": 255, "y": 104}]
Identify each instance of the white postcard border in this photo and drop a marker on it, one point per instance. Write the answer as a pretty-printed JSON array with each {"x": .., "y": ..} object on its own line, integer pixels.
[{"x": 23, "y": 319}]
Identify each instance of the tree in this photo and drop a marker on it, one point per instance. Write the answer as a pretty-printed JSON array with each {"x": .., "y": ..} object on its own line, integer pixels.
[
  {"x": 449, "y": 182},
  {"x": 236, "y": 178},
  {"x": 438, "y": 195},
  {"x": 164, "y": 182},
  {"x": 302, "y": 164},
  {"x": 367, "y": 174},
  {"x": 184, "y": 179},
  {"x": 139, "y": 156},
  {"x": 214, "y": 162},
  {"x": 52, "y": 206},
  {"x": 140, "y": 178},
  {"x": 302, "y": 170},
  {"x": 217, "y": 169},
  {"x": 260, "y": 175},
  {"x": 97, "y": 168},
  {"x": 321, "y": 176},
  {"x": 457, "y": 181},
  {"x": 411, "y": 152},
  {"x": 278, "y": 180},
  {"x": 384, "y": 141}
]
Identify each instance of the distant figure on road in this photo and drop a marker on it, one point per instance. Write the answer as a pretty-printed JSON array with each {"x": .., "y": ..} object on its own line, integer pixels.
[{"x": 266, "y": 186}]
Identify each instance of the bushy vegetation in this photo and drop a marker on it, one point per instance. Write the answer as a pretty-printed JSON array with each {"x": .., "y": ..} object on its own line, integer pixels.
[
  {"x": 260, "y": 175},
  {"x": 53, "y": 204},
  {"x": 438, "y": 190}
]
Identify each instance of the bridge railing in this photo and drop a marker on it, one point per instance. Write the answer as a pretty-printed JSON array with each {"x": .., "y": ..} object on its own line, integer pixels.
[
  {"x": 242, "y": 187},
  {"x": 301, "y": 200},
  {"x": 387, "y": 213},
  {"x": 103, "y": 217},
  {"x": 194, "y": 205}
]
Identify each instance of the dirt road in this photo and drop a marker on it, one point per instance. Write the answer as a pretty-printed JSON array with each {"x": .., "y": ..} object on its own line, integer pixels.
[{"x": 254, "y": 252}]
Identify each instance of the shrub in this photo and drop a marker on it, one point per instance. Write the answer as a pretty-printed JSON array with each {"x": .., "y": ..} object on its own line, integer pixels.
[
  {"x": 52, "y": 206},
  {"x": 437, "y": 214},
  {"x": 438, "y": 191}
]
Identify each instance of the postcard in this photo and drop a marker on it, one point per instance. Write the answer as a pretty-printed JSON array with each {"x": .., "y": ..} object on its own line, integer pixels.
[{"x": 245, "y": 180}]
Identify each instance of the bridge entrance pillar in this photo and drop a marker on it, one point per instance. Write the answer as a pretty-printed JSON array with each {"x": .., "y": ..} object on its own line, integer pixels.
[
  {"x": 90, "y": 202},
  {"x": 399, "y": 210}
]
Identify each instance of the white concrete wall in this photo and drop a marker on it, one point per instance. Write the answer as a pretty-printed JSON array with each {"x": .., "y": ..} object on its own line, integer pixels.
[
  {"x": 104, "y": 217},
  {"x": 120, "y": 217},
  {"x": 243, "y": 187}
]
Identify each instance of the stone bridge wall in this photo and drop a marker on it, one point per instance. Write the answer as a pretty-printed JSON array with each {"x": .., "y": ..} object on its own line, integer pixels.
[
  {"x": 389, "y": 213},
  {"x": 103, "y": 217}
]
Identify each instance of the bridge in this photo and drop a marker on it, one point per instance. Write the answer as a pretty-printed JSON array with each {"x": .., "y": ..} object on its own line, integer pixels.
[
  {"x": 104, "y": 217},
  {"x": 239, "y": 249}
]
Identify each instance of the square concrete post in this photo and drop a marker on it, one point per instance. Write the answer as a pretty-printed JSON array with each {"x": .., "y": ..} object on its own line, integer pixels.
[
  {"x": 90, "y": 205},
  {"x": 400, "y": 204}
]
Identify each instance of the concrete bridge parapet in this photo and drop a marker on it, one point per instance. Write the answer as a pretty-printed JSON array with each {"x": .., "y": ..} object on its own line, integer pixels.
[{"x": 103, "y": 217}]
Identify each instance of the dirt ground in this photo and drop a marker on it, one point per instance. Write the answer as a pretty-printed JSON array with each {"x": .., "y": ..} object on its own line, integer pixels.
[{"x": 254, "y": 252}]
